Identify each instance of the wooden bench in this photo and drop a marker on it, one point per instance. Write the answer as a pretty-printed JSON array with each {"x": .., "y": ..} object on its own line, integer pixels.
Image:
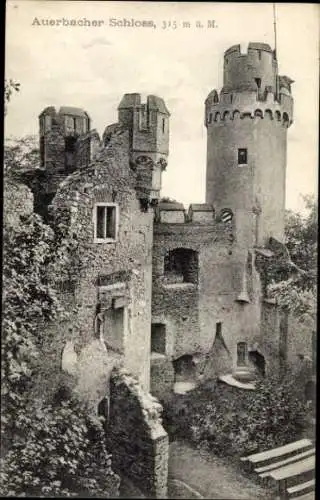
[
  {"x": 307, "y": 496},
  {"x": 276, "y": 465},
  {"x": 290, "y": 475},
  {"x": 292, "y": 470},
  {"x": 301, "y": 488},
  {"x": 269, "y": 455}
]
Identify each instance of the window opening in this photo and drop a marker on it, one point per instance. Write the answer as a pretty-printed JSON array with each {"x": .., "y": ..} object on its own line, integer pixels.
[
  {"x": 242, "y": 354},
  {"x": 106, "y": 222},
  {"x": 242, "y": 156},
  {"x": 158, "y": 338},
  {"x": 258, "y": 82}
]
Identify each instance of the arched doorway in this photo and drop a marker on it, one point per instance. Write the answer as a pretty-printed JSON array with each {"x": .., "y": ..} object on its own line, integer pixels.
[
  {"x": 185, "y": 374},
  {"x": 258, "y": 361}
]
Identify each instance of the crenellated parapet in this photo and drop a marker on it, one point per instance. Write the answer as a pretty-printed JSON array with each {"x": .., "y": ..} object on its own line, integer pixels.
[
  {"x": 199, "y": 222},
  {"x": 251, "y": 87}
]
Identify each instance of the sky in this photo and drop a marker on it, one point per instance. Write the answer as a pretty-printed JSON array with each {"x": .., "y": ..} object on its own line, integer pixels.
[{"x": 93, "y": 66}]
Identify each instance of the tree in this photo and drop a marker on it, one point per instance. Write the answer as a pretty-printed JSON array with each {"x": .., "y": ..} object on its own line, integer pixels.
[
  {"x": 298, "y": 292},
  {"x": 10, "y": 86},
  {"x": 20, "y": 155}
]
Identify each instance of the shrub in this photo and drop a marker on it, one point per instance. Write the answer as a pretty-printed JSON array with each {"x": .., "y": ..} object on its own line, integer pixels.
[
  {"x": 61, "y": 452},
  {"x": 234, "y": 422}
]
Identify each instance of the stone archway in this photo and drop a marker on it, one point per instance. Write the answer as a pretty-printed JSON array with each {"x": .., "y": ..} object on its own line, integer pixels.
[
  {"x": 258, "y": 361},
  {"x": 185, "y": 373}
]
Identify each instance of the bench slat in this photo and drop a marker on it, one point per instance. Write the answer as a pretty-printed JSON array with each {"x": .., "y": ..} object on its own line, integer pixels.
[
  {"x": 294, "y": 458},
  {"x": 307, "y": 496},
  {"x": 306, "y": 465},
  {"x": 277, "y": 452},
  {"x": 301, "y": 487}
]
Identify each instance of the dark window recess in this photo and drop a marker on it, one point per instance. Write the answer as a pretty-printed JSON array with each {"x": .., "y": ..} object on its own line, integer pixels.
[
  {"x": 258, "y": 82},
  {"x": 158, "y": 338},
  {"x": 242, "y": 354},
  {"x": 70, "y": 150},
  {"x": 242, "y": 156},
  {"x": 163, "y": 125},
  {"x": 42, "y": 152},
  {"x": 259, "y": 55},
  {"x": 218, "y": 329},
  {"x": 106, "y": 222},
  {"x": 181, "y": 266}
]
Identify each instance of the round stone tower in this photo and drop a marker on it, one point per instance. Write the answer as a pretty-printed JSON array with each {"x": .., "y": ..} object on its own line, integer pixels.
[{"x": 247, "y": 142}]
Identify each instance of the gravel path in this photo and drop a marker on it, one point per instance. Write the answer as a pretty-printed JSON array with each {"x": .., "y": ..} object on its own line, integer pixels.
[{"x": 209, "y": 476}]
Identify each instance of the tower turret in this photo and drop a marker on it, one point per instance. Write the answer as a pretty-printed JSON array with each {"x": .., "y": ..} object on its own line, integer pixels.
[
  {"x": 62, "y": 145},
  {"x": 247, "y": 143},
  {"x": 149, "y": 139}
]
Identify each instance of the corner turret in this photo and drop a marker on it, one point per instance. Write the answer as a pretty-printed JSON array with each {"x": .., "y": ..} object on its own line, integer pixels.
[
  {"x": 62, "y": 144},
  {"x": 148, "y": 124}
]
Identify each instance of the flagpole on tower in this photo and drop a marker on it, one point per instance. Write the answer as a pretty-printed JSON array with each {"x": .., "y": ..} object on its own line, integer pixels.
[
  {"x": 275, "y": 29},
  {"x": 275, "y": 46}
]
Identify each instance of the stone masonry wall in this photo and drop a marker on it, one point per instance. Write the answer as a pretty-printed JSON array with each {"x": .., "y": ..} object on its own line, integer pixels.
[
  {"x": 191, "y": 311},
  {"x": 135, "y": 436},
  {"x": 109, "y": 179}
]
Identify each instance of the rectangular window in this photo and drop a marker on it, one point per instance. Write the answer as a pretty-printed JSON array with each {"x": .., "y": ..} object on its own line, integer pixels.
[
  {"x": 106, "y": 222},
  {"x": 242, "y": 156},
  {"x": 242, "y": 354}
]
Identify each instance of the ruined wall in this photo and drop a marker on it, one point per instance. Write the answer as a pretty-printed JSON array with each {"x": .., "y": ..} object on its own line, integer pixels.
[
  {"x": 191, "y": 311},
  {"x": 162, "y": 375},
  {"x": 124, "y": 263},
  {"x": 135, "y": 436}
]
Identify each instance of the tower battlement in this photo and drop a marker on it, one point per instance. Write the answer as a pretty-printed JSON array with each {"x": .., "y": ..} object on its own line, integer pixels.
[
  {"x": 247, "y": 124},
  {"x": 147, "y": 121},
  {"x": 257, "y": 68},
  {"x": 67, "y": 120}
]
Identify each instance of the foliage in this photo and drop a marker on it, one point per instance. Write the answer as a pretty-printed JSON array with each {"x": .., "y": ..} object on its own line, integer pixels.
[
  {"x": 10, "y": 86},
  {"x": 48, "y": 448},
  {"x": 21, "y": 154},
  {"x": 63, "y": 453},
  {"x": 297, "y": 292},
  {"x": 28, "y": 302},
  {"x": 167, "y": 199},
  {"x": 301, "y": 235},
  {"x": 231, "y": 422}
]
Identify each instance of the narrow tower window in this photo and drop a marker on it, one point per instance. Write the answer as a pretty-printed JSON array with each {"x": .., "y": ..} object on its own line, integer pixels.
[
  {"x": 218, "y": 329},
  {"x": 163, "y": 125},
  {"x": 242, "y": 156},
  {"x": 258, "y": 82},
  {"x": 242, "y": 353}
]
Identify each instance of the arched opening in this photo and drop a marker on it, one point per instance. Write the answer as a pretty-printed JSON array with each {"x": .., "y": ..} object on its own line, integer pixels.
[
  {"x": 226, "y": 115},
  {"x": 278, "y": 115},
  {"x": 181, "y": 266},
  {"x": 258, "y": 113},
  {"x": 236, "y": 114},
  {"x": 268, "y": 113},
  {"x": 285, "y": 118},
  {"x": 217, "y": 117},
  {"x": 184, "y": 373},
  {"x": 258, "y": 361}
]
